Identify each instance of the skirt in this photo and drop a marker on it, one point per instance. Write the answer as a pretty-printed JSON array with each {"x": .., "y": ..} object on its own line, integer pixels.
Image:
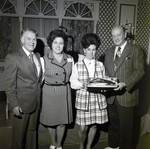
[{"x": 94, "y": 115}]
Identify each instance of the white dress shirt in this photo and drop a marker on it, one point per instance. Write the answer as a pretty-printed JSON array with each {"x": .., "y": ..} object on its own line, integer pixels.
[
  {"x": 37, "y": 64},
  {"x": 122, "y": 48},
  {"x": 75, "y": 83}
]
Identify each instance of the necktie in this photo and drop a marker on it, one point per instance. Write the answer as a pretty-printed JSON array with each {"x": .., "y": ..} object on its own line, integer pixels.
[
  {"x": 118, "y": 53},
  {"x": 32, "y": 60}
]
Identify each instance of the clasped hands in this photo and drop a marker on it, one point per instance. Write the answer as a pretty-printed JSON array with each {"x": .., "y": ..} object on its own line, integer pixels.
[{"x": 17, "y": 111}]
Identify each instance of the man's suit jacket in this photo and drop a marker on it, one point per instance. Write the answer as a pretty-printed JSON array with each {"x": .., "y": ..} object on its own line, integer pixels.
[
  {"x": 130, "y": 69},
  {"x": 22, "y": 86}
]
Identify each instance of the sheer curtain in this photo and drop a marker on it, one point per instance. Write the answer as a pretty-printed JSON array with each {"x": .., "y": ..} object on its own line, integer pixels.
[{"x": 42, "y": 26}]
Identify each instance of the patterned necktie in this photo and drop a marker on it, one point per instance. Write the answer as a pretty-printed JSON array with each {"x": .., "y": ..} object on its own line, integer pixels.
[
  {"x": 118, "y": 53},
  {"x": 32, "y": 60}
]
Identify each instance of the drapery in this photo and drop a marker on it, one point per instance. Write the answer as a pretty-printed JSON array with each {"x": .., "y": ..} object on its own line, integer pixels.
[{"x": 76, "y": 29}]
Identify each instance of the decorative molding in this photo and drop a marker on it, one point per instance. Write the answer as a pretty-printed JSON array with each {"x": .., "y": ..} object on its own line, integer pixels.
[{"x": 8, "y": 7}]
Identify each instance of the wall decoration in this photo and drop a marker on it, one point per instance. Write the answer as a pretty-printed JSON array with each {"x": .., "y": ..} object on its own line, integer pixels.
[
  {"x": 127, "y": 14},
  {"x": 78, "y": 28}
]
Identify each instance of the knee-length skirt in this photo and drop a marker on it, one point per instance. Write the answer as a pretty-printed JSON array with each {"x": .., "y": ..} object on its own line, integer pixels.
[{"x": 94, "y": 115}]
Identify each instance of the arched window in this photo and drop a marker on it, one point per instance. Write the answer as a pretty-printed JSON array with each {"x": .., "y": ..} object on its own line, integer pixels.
[
  {"x": 78, "y": 17},
  {"x": 79, "y": 10},
  {"x": 40, "y": 7},
  {"x": 8, "y": 6}
]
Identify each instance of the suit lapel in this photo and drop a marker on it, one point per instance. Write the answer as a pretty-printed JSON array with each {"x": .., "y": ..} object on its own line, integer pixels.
[
  {"x": 27, "y": 62},
  {"x": 111, "y": 61},
  {"x": 55, "y": 62},
  {"x": 125, "y": 54}
]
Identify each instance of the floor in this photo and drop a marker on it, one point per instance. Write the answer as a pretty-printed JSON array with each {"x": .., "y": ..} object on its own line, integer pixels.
[{"x": 5, "y": 134}]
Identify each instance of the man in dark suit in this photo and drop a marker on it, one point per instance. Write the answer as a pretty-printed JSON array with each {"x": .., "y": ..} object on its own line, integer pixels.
[
  {"x": 23, "y": 90},
  {"x": 124, "y": 61}
]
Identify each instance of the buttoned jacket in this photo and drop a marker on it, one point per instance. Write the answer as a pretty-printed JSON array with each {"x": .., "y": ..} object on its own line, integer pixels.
[{"x": 57, "y": 73}]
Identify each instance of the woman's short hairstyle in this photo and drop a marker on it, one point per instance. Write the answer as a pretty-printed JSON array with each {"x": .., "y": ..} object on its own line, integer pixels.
[
  {"x": 90, "y": 38},
  {"x": 57, "y": 33}
]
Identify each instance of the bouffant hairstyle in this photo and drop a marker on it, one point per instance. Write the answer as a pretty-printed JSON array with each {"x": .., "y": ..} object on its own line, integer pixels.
[
  {"x": 57, "y": 33},
  {"x": 90, "y": 38}
]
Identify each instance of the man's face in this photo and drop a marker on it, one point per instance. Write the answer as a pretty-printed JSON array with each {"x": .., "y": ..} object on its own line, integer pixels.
[
  {"x": 118, "y": 36},
  {"x": 29, "y": 41}
]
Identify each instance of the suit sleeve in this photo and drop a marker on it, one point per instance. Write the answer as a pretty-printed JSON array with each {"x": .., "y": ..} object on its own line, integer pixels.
[
  {"x": 107, "y": 63},
  {"x": 138, "y": 68},
  {"x": 10, "y": 78}
]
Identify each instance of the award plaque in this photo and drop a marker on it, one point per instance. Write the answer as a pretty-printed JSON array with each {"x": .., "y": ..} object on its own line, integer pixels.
[{"x": 102, "y": 84}]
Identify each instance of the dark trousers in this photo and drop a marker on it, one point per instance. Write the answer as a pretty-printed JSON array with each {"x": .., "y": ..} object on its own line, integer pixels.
[
  {"x": 121, "y": 124},
  {"x": 24, "y": 131}
]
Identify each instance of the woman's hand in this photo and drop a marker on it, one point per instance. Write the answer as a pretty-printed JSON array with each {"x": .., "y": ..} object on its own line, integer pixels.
[{"x": 84, "y": 86}]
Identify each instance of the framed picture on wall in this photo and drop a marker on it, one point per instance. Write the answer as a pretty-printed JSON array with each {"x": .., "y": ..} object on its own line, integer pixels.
[{"x": 127, "y": 14}]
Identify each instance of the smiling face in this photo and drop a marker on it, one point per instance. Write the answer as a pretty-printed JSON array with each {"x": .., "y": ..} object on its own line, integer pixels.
[
  {"x": 90, "y": 52},
  {"x": 118, "y": 36},
  {"x": 29, "y": 41},
  {"x": 58, "y": 45}
]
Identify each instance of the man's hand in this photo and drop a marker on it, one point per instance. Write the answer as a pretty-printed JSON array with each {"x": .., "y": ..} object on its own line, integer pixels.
[
  {"x": 17, "y": 111},
  {"x": 120, "y": 85}
]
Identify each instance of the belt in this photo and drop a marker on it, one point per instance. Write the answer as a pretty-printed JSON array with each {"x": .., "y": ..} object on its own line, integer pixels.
[{"x": 51, "y": 84}]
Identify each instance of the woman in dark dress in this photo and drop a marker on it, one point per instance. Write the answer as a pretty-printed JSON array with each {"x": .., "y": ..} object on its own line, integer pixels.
[{"x": 56, "y": 109}]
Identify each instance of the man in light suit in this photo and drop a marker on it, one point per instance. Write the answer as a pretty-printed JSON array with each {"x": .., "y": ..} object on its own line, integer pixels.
[
  {"x": 127, "y": 65},
  {"x": 23, "y": 90}
]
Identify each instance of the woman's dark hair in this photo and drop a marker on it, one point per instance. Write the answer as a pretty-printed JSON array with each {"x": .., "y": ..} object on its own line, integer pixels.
[
  {"x": 90, "y": 38},
  {"x": 57, "y": 33}
]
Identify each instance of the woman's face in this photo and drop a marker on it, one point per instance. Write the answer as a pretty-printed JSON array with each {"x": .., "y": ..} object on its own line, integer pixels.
[
  {"x": 58, "y": 45},
  {"x": 90, "y": 52}
]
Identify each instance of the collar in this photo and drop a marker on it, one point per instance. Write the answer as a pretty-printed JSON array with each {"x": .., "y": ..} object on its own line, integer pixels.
[
  {"x": 122, "y": 48},
  {"x": 88, "y": 62},
  {"x": 26, "y": 51},
  {"x": 51, "y": 56}
]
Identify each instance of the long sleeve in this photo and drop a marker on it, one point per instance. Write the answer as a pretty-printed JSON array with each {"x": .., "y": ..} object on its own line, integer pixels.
[
  {"x": 10, "y": 76},
  {"x": 75, "y": 83},
  {"x": 138, "y": 69},
  {"x": 43, "y": 64}
]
